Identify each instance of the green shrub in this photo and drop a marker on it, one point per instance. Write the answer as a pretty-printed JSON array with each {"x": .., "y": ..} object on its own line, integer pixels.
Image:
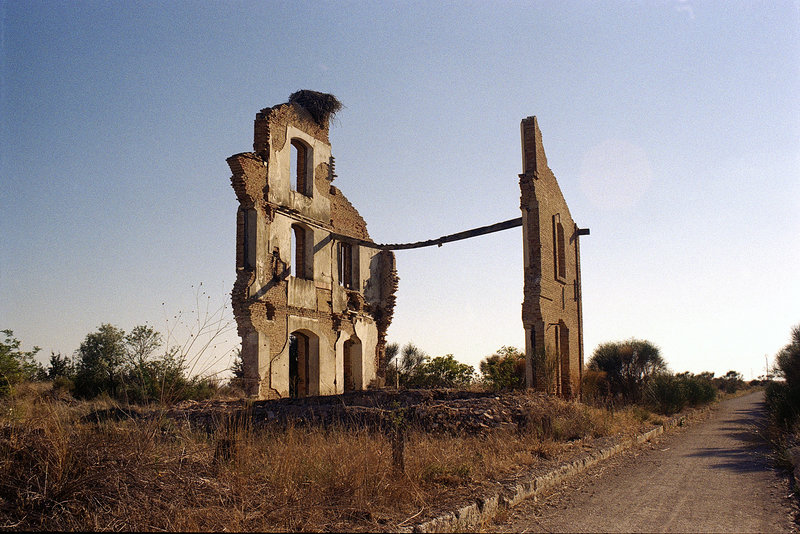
[
  {"x": 101, "y": 358},
  {"x": 63, "y": 383},
  {"x": 783, "y": 398},
  {"x": 504, "y": 369},
  {"x": 129, "y": 368},
  {"x": 441, "y": 372},
  {"x": 198, "y": 388},
  {"x": 784, "y": 405},
  {"x": 730, "y": 382},
  {"x": 595, "y": 387},
  {"x": 16, "y": 366},
  {"x": 628, "y": 366},
  {"x": 667, "y": 393}
]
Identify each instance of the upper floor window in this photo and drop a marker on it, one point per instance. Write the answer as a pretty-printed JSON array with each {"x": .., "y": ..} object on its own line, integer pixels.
[
  {"x": 347, "y": 261},
  {"x": 301, "y": 168},
  {"x": 302, "y": 252},
  {"x": 559, "y": 249}
]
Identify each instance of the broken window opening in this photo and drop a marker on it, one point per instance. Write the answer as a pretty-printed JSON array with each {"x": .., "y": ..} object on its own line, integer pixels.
[
  {"x": 300, "y": 167},
  {"x": 302, "y": 264},
  {"x": 347, "y": 260}
]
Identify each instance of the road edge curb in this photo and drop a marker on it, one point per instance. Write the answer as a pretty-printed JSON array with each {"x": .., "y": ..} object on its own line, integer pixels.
[{"x": 469, "y": 516}]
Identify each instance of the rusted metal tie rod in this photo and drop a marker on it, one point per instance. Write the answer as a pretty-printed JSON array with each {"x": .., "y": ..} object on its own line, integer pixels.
[{"x": 475, "y": 232}]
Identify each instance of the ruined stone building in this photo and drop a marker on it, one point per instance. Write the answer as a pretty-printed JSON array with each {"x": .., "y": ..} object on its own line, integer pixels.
[
  {"x": 312, "y": 305},
  {"x": 551, "y": 310},
  {"x": 314, "y": 295}
]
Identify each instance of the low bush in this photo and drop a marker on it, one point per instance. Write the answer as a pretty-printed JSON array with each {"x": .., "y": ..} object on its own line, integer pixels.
[
  {"x": 783, "y": 397},
  {"x": 628, "y": 366},
  {"x": 504, "y": 369},
  {"x": 730, "y": 382},
  {"x": 595, "y": 388},
  {"x": 667, "y": 394}
]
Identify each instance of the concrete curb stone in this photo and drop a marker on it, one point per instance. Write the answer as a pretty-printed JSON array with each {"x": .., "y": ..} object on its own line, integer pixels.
[{"x": 470, "y": 516}]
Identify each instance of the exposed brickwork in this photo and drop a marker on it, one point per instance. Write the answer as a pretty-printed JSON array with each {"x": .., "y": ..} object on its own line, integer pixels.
[
  {"x": 344, "y": 215},
  {"x": 551, "y": 311},
  {"x": 270, "y": 305}
]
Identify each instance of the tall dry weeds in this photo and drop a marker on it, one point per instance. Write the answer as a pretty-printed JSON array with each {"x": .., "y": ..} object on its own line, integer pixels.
[{"x": 65, "y": 468}]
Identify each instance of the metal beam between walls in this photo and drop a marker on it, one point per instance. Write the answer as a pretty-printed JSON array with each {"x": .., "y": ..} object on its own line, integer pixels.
[{"x": 467, "y": 234}]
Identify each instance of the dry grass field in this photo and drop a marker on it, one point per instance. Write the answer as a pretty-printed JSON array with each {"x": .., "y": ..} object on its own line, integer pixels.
[{"x": 63, "y": 468}]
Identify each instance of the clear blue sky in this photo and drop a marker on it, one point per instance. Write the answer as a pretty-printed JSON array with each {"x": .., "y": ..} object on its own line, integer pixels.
[{"x": 672, "y": 127}]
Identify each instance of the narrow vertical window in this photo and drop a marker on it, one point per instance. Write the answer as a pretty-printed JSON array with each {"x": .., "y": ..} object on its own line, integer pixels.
[
  {"x": 559, "y": 249},
  {"x": 300, "y": 167},
  {"x": 347, "y": 266},
  {"x": 347, "y": 262},
  {"x": 302, "y": 266},
  {"x": 562, "y": 257}
]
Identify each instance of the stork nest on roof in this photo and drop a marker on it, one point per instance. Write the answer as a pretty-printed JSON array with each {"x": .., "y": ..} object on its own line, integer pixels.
[{"x": 321, "y": 106}]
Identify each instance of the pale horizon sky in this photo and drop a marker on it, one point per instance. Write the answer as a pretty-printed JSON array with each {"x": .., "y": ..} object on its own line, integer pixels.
[{"x": 673, "y": 128}]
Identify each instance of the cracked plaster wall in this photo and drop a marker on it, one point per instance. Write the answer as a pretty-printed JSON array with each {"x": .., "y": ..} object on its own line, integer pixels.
[{"x": 268, "y": 303}]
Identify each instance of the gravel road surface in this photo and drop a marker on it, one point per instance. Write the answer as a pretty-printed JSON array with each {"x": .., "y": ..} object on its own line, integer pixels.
[{"x": 712, "y": 476}]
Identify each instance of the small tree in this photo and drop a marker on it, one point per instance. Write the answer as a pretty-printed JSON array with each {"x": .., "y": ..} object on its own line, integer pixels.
[
  {"x": 410, "y": 360},
  {"x": 16, "y": 365},
  {"x": 101, "y": 360},
  {"x": 237, "y": 368},
  {"x": 146, "y": 378},
  {"x": 60, "y": 366},
  {"x": 442, "y": 372},
  {"x": 628, "y": 365},
  {"x": 505, "y": 369},
  {"x": 61, "y": 372}
]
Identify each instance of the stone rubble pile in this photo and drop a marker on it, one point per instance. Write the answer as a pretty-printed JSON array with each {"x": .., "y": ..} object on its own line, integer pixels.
[{"x": 439, "y": 411}]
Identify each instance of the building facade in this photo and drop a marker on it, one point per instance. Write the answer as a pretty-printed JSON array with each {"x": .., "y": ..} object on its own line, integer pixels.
[
  {"x": 312, "y": 306},
  {"x": 551, "y": 310}
]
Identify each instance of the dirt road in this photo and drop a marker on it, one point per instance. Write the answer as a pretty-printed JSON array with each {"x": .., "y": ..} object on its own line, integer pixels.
[{"x": 712, "y": 476}]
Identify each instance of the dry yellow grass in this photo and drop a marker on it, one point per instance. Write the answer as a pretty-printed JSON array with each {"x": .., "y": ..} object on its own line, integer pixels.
[{"x": 62, "y": 471}]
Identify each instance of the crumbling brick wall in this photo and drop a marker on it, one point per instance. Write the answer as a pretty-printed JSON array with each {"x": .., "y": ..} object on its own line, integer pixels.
[
  {"x": 304, "y": 331},
  {"x": 551, "y": 310}
]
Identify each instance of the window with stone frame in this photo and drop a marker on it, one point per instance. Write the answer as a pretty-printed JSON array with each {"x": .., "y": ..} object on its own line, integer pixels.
[{"x": 301, "y": 167}]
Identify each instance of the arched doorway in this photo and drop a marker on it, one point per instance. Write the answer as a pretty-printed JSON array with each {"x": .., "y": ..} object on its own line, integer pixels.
[
  {"x": 353, "y": 373},
  {"x": 303, "y": 364}
]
